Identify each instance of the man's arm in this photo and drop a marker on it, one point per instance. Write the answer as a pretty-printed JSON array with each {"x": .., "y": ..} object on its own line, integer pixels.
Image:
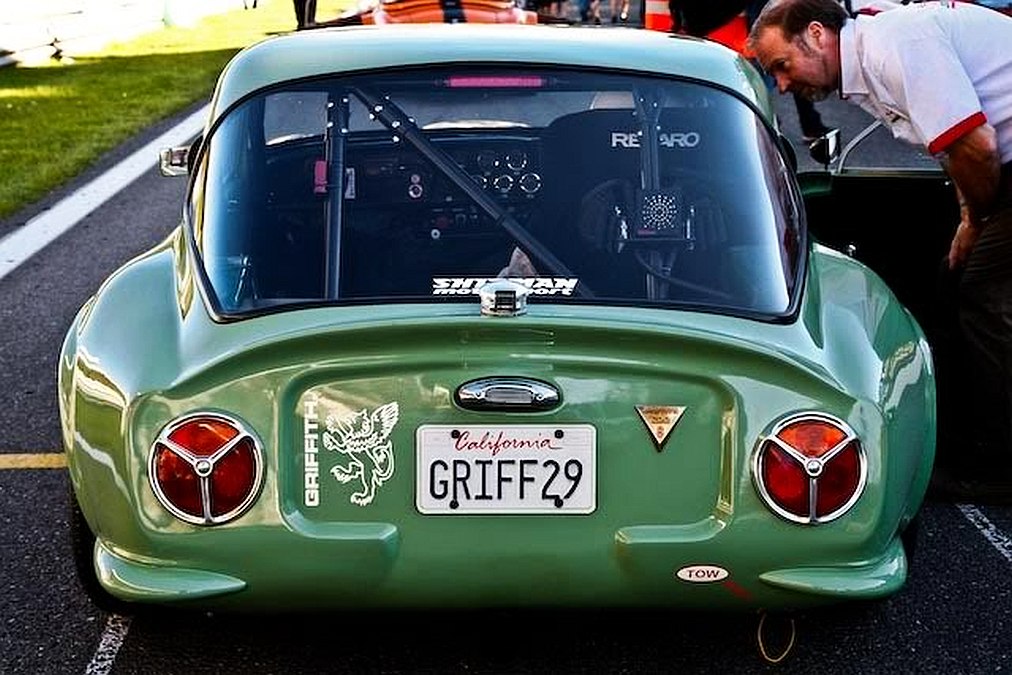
[{"x": 974, "y": 165}]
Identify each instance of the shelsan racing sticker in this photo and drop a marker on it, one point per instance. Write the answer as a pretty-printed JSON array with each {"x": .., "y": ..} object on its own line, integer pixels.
[
  {"x": 471, "y": 285},
  {"x": 361, "y": 439}
]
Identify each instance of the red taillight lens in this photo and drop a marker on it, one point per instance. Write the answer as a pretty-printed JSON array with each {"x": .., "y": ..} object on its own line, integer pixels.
[
  {"x": 232, "y": 478},
  {"x": 839, "y": 481},
  {"x": 178, "y": 480},
  {"x": 813, "y": 438},
  {"x": 203, "y": 436},
  {"x": 206, "y": 469},
  {"x": 789, "y": 480},
  {"x": 810, "y": 468}
]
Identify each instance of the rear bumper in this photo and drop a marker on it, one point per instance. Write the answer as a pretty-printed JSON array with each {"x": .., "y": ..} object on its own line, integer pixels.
[{"x": 640, "y": 569}]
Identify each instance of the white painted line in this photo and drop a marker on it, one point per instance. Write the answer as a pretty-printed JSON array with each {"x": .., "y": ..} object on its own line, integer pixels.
[
  {"x": 115, "y": 633},
  {"x": 33, "y": 236},
  {"x": 998, "y": 539}
]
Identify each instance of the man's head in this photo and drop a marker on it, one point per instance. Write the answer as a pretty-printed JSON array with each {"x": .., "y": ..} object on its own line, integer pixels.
[{"x": 798, "y": 43}]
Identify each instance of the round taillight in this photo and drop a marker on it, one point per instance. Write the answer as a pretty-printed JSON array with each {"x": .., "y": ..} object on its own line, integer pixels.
[
  {"x": 206, "y": 468},
  {"x": 810, "y": 468}
]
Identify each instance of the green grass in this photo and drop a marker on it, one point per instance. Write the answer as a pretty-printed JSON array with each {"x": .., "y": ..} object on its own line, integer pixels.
[{"x": 57, "y": 119}]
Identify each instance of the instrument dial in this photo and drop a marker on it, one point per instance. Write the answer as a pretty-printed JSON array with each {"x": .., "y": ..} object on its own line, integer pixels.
[
  {"x": 530, "y": 183},
  {"x": 488, "y": 160},
  {"x": 503, "y": 183},
  {"x": 516, "y": 160}
]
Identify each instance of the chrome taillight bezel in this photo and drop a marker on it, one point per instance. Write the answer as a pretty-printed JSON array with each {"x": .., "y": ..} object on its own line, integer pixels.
[
  {"x": 207, "y": 519},
  {"x": 812, "y": 518}
]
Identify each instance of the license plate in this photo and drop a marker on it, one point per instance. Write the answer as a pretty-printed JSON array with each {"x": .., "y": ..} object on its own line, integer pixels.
[{"x": 510, "y": 469}]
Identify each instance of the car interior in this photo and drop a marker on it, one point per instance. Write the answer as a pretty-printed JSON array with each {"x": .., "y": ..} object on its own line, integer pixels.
[{"x": 584, "y": 196}]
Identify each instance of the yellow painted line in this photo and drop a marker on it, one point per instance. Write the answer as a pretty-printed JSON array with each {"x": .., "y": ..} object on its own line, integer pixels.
[{"x": 35, "y": 460}]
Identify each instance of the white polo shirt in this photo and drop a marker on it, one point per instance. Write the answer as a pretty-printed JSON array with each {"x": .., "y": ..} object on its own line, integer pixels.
[{"x": 932, "y": 71}]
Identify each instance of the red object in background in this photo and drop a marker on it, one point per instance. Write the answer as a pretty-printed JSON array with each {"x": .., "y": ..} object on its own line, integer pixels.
[
  {"x": 732, "y": 34},
  {"x": 657, "y": 16}
]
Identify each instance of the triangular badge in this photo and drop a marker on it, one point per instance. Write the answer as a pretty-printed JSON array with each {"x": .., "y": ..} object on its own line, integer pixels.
[{"x": 660, "y": 420}]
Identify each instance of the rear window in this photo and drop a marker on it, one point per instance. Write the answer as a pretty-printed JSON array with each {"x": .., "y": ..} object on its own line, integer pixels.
[{"x": 424, "y": 185}]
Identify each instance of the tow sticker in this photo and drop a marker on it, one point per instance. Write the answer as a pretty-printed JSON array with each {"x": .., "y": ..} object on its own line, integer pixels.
[{"x": 702, "y": 574}]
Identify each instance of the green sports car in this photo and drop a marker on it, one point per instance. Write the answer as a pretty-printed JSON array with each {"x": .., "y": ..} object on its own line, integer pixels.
[{"x": 496, "y": 316}]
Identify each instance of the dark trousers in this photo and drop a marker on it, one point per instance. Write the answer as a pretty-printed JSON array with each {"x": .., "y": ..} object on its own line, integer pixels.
[
  {"x": 975, "y": 366},
  {"x": 808, "y": 117},
  {"x": 305, "y": 13}
]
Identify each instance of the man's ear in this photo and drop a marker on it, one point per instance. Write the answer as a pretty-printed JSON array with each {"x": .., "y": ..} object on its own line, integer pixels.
[{"x": 816, "y": 33}]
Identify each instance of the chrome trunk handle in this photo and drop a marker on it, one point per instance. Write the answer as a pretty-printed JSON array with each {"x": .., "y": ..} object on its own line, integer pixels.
[{"x": 517, "y": 394}]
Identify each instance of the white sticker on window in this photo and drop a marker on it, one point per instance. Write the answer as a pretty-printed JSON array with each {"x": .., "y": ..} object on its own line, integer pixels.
[
  {"x": 536, "y": 285},
  {"x": 349, "y": 182}
]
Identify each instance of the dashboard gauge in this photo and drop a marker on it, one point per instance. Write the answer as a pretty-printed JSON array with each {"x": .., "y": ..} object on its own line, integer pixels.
[
  {"x": 488, "y": 160},
  {"x": 530, "y": 183},
  {"x": 503, "y": 183},
  {"x": 516, "y": 160}
]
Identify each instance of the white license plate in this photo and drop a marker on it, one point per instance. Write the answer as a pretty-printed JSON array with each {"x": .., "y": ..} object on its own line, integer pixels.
[{"x": 511, "y": 469}]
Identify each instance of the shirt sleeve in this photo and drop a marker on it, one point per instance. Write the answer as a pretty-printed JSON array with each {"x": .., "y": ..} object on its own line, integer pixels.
[{"x": 925, "y": 81}]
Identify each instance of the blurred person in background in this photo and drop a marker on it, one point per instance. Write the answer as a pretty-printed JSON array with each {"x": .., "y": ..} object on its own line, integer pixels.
[
  {"x": 590, "y": 11},
  {"x": 305, "y": 13},
  {"x": 938, "y": 75},
  {"x": 619, "y": 11}
]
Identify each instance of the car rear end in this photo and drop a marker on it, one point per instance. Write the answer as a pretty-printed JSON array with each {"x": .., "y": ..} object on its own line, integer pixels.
[
  {"x": 496, "y": 334},
  {"x": 660, "y": 467}
]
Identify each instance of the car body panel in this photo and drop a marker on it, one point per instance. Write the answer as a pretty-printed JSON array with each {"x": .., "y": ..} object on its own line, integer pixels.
[
  {"x": 678, "y": 523},
  {"x": 315, "y": 53},
  {"x": 628, "y": 558}
]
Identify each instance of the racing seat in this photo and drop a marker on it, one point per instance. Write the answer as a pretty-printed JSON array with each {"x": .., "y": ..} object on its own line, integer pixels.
[
  {"x": 581, "y": 152},
  {"x": 587, "y": 148},
  {"x": 593, "y": 169}
]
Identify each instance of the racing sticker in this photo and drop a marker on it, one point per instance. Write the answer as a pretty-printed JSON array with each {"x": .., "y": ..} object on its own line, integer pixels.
[
  {"x": 471, "y": 285},
  {"x": 361, "y": 441},
  {"x": 660, "y": 420}
]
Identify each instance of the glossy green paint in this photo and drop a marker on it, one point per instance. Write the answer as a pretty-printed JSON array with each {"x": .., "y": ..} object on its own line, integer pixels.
[
  {"x": 307, "y": 54},
  {"x": 876, "y": 578},
  {"x": 139, "y": 581},
  {"x": 853, "y": 352}
]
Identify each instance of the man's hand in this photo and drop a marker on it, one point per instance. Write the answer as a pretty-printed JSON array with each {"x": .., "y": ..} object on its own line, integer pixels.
[
  {"x": 974, "y": 165},
  {"x": 963, "y": 241}
]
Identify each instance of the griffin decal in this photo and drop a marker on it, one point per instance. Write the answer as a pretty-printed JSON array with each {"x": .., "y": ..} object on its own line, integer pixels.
[{"x": 364, "y": 438}]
